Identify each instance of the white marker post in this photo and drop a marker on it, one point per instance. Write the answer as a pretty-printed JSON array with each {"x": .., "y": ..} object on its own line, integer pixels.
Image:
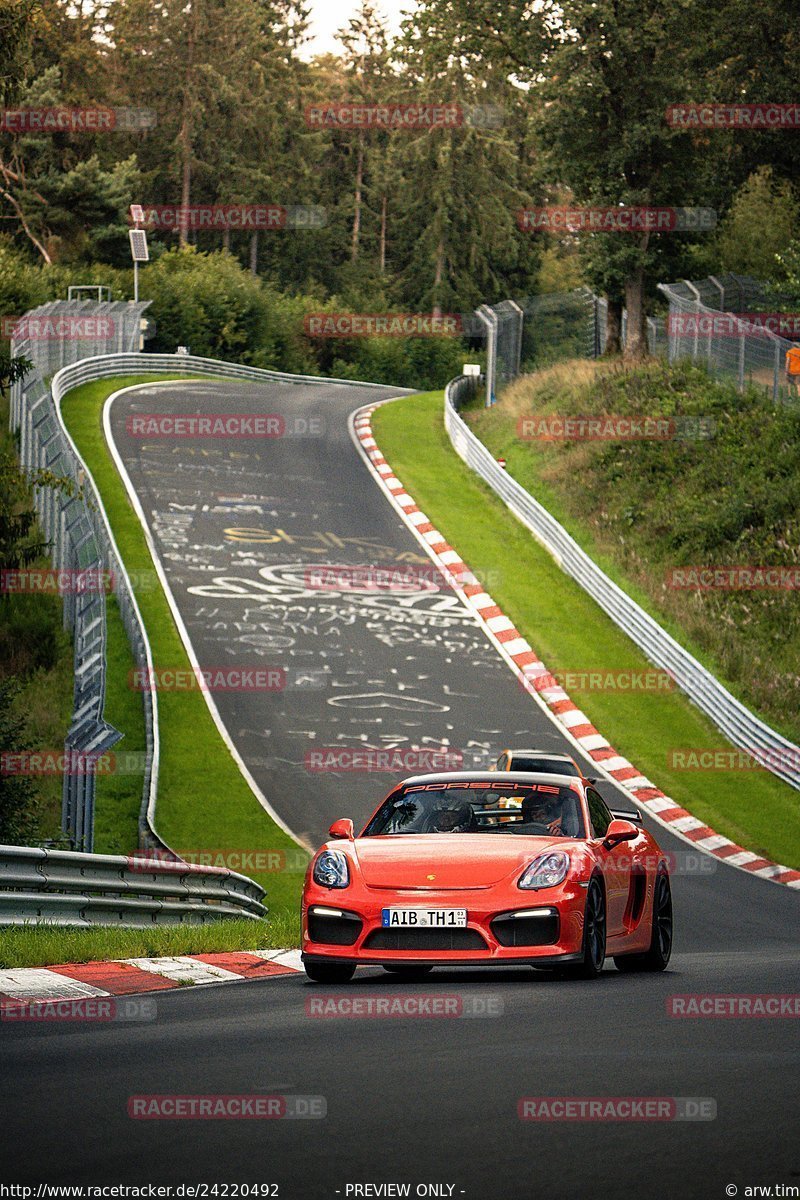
[{"x": 472, "y": 371}]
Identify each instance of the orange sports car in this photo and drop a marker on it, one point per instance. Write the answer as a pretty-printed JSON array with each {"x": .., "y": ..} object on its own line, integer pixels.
[{"x": 482, "y": 868}]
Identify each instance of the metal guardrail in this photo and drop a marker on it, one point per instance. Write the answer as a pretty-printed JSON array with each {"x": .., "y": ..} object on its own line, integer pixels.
[
  {"x": 105, "y": 365},
  {"x": 58, "y": 887},
  {"x": 742, "y": 727}
]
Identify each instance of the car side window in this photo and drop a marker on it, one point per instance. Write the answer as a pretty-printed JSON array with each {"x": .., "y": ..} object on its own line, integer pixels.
[
  {"x": 500, "y": 765},
  {"x": 600, "y": 816}
]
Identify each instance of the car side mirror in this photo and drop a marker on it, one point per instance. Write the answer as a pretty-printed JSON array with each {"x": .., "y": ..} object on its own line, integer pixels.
[
  {"x": 343, "y": 828},
  {"x": 620, "y": 831}
]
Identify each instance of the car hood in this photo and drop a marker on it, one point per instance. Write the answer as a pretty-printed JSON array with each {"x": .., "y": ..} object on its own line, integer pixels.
[{"x": 431, "y": 862}]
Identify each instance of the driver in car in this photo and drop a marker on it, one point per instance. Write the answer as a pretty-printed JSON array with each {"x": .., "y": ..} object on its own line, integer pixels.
[
  {"x": 453, "y": 820},
  {"x": 545, "y": 810}
]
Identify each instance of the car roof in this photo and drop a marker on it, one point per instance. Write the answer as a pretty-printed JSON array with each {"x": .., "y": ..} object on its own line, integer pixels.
[
  {"x": 491, "y": 777},
  {"x": 543, "y": 754}
]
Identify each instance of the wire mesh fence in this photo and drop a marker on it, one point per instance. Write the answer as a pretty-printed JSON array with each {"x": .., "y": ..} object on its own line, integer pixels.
[
  {"x": 719, "y": 322},
  {"x": 741, "y": 345},
  {"x": 559, "y": 326},
  {"x": 71, "y": 516}
]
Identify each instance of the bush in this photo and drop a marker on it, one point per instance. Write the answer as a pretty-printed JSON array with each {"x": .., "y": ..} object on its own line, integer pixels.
[{"x": 18, "y": 816}]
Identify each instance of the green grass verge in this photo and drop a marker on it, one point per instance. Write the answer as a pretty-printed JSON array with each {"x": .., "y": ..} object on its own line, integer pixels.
[
  {"x": 572, "y": 635},
  {"x": 204, "y": 802},
  {"x": 119, "y": 794},
  {"x": 49, "y": 945}
]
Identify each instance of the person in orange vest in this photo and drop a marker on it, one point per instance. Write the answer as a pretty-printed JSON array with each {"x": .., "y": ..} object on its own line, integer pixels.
[{"x": 793, "y": 369}]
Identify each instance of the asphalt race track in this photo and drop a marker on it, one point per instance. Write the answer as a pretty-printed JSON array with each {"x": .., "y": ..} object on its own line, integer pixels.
[{"x": 240, "y": 526}]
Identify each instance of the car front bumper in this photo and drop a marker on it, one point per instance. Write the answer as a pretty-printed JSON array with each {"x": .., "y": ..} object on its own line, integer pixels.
[{"x": 504, "y": 926}]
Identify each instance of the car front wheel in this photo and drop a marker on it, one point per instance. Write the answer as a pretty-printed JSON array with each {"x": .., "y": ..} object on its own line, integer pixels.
[
  {"x": 593, "y": 954},
  {"x": 656, "y": 957}
]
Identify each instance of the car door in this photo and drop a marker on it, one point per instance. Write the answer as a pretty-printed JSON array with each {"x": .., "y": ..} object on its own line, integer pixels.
[{"x": 615, "y": 863}]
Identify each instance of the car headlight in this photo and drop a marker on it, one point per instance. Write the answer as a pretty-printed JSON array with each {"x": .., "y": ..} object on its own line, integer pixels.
[
  {"x": 331, "y": 870},
  {"x": 548, "y": 870}
]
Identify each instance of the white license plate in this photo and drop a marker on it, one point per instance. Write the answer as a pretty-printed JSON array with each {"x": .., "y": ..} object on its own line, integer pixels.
[{"x": 423, "y": 918}]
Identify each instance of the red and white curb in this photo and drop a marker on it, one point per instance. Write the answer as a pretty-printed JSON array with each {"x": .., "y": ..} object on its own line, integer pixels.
[
  {"x": 539, "y": 683},
  {"x": 129, "y": 976}
]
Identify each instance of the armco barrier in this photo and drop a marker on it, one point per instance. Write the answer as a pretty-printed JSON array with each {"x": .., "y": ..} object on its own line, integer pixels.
[
  {"x": 734, "y": 719},
  {"x": 57, "y": 887}
]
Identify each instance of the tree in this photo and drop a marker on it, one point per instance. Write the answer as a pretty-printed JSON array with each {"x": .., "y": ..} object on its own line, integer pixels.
[
  {"x": 17, "y": 21},
  {"x": 462, "y": 185},
  {"x": 17, "y": 792},
  {"x": 613, "y": 68},
  {"x": 369, "y": 79},
  {"x": 20, "y": 540},
  {"x": 198, "y": 63},
  {"x": 758, "y": 225}
]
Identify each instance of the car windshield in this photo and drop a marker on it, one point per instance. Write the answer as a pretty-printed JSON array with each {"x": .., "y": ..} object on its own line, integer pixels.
[
  {"x": 554, "y": 766},
  {"x": 531, "y": 809}
]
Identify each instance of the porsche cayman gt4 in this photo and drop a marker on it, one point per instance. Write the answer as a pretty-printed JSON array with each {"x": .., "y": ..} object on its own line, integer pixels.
[{"x": 487, "y": 868}]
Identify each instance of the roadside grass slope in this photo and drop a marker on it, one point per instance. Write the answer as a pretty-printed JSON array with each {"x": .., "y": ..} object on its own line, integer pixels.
[
  {"x": 646, "y": 508},
  {"x": 575, "y": 638}
]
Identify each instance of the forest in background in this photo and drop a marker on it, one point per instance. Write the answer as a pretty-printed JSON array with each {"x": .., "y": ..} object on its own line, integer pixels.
[{"x": 562, "y": 103}]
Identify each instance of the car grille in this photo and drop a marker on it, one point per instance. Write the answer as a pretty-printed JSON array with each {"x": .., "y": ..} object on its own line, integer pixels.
[
  {"x": 511, "y": 930},
  {"x": 424, "y": 939},
  {"x": 334, "y": 931}
]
